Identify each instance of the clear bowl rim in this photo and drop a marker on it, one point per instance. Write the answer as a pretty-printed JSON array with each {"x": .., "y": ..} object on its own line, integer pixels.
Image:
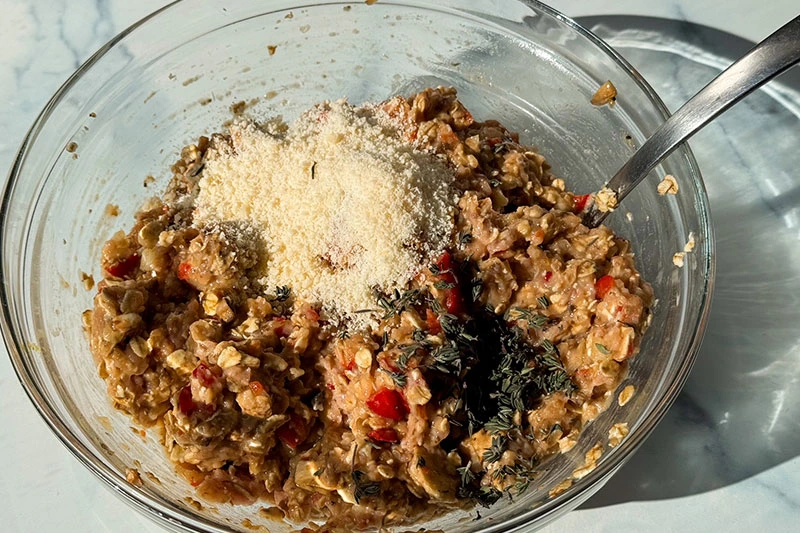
[{"x": 177, "y": 517}]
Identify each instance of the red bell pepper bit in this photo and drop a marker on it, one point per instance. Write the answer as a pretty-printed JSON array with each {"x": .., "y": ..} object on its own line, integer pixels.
[
  {"x": 580, "y": 202},
  {"x": 204, "y": 376},
  {"x": 383, "y": 435},
  {"x": 293, "y": 432},
  {"x": 453, "y": 301},
  {"x": 445, "y": 265},
  {"x": 184, "y": 270},
  {"x": 603, "y": 285},
  {"x": 283, "y": 327},
  {"x": 388, "y": 403},
  {"x": 452, "y": 297},
  {"x": 547, "y": 276},
  {"x": 125, "y": 267},
  {"x": 432, "y": 322},
  {"x": 256, "y": 387},
  {"x": 185, "y": 402}
]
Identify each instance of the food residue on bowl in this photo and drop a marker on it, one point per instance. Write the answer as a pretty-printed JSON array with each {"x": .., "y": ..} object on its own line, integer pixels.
[
  {"x": 590, "y": 462},
  {"x": 605, "y": 94},
  {"x": 625, "y": 395},
  {"x": 617, "y": 432},
  {"x": 679, "y": 257},
  {"x": 112, "y": 210},
  {"x": 132, "y": 476},
  {"x": 87, "y": 280},
  {"x": 668, "y": 185},
  {"x": 373, "y": 314}
]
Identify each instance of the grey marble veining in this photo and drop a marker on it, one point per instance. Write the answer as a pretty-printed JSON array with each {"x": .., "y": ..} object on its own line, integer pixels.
[{"x": 726, "y": 455}]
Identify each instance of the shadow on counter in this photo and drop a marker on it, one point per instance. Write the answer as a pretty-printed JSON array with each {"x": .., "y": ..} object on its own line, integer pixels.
[{"x": 739, "y": 413}]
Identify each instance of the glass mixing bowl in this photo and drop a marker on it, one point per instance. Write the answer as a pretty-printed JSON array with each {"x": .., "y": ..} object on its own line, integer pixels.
[{"x": 125, "y": 114}]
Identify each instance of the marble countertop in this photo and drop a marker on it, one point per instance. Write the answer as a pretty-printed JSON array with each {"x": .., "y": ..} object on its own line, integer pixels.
[{"x": 726, "y": 458}]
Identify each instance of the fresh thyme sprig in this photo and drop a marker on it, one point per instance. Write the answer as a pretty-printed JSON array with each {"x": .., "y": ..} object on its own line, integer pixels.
[
  {"x": 534, "y": 320},
  {"x": 282, "y": 293},
  {"x": 496, "y": 450},
  {"x": 398, "y": 303},
  {"x": 280, "y": 299}
]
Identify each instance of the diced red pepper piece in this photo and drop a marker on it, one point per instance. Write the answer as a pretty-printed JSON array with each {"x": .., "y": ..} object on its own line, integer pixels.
[
  {"x": 331, "y": 386},
  {"x": 351, "y": 365},
  {"x": 125, "y": 267},
  {"x": 383, "y": 435},
  {"x": 185, "y": 402},
  {"x": 547, "y": 276},
  {"x": 452, "y": 297},
  {"x": 580, "y": 202},
  {"x": 256, "y": 387},
  {"x": 388, "y": 403},
  {"x": 204, "y": 376},
  {"x": 432, "y": 322},
  {"x": 603, "y": 285},
  {"x": 494, "y": 141},
  {"x": 293, "y": 432},
  {"x": 184, "y": 270},
  {"x": 453, "y": 301},
  {"x": 283, "y": 327},
  {"x": 444, "y": 264}
]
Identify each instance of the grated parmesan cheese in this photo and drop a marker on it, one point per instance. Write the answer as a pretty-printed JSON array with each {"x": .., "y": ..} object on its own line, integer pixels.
[{"x": 343, "y": 205}]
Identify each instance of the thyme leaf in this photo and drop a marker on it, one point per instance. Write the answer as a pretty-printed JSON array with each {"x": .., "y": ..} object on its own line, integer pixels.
[
  {"x": 495, "y": 451},
  {"x": 398, "y": 303},
  {"x": 602, "y": 348},
  {"x": 282, "y": 293},
  {"x": 399, "y": 378},
  {"x": 363, "y": 487},
  {"x": 466, "y": 473},
  {"x": 534, "y": 320}
]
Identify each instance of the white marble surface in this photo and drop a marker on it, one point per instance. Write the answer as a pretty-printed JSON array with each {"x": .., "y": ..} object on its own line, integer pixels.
[{"x": 725, "y": 458}]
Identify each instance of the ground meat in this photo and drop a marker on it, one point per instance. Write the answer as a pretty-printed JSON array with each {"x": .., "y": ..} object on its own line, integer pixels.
[{"x": 493, "y": 359}]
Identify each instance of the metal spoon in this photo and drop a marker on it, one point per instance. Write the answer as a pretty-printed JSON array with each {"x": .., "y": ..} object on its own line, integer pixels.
[{"x": 770, "y": 57}]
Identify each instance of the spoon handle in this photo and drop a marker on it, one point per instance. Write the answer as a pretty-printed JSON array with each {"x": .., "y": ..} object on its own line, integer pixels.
[{"x": 770, "y": 57}]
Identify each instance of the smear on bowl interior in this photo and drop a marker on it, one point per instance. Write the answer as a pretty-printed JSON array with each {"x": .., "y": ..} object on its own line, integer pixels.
[{"x": 373, "y": 314}]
